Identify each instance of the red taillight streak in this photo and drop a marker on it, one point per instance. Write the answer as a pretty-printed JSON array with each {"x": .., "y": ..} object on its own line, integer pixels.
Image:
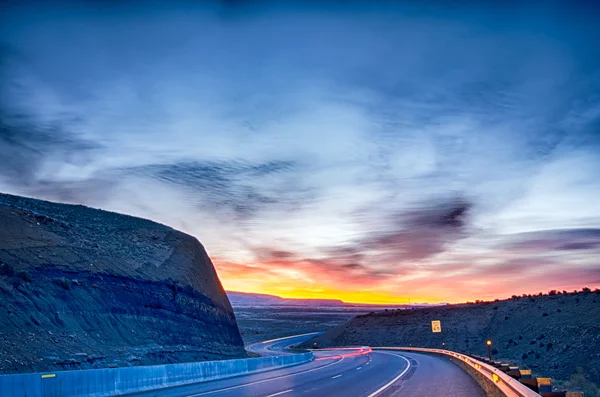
[{"x": 361, "y": 352}]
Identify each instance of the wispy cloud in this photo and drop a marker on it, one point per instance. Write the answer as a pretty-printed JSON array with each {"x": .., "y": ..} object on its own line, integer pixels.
[
  {"x": 243, "y": 188},
  {"x": 419, "y": 233},
  {"x": 555, "y": 240},
  {"x": 372, "y": 144}
]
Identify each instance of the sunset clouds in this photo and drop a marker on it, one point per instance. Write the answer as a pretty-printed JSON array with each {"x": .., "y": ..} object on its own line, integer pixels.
[{"x": 369, "y": 153}]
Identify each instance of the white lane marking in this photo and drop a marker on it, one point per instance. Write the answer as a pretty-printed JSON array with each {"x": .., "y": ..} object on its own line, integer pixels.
[
  {"x": 262, "y": 381},
  {"x": 281, "y": 392},
  {"x": 382, "y": 388},
  {"x": 337, "y": 376},
  {"x": 358, "y": 368}
]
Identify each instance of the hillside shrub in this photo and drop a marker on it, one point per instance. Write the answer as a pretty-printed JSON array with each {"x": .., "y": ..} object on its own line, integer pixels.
[
  {"x": 6, "y": 270},
  {"x": 189, "y": 290},
  {"x": 64, "y": 283},
  {"x": 25, "y": 276},
  {"x": 579, "y": 382}
]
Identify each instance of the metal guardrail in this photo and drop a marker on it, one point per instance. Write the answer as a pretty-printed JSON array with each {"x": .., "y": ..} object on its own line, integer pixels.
[{"x": 506, "y": 384}]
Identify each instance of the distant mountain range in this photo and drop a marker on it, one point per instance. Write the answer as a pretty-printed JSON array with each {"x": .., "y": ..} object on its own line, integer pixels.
[{"x": 254, "y": 299}]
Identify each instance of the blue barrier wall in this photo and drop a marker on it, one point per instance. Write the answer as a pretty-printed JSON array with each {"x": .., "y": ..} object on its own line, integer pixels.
[{"x": 116, "y": 381}]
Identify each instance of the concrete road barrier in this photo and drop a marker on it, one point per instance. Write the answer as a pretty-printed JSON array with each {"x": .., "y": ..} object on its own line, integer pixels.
[{"x": 118, "y": 381}]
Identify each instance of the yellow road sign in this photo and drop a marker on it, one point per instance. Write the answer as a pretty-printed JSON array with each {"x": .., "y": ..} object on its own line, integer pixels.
[{"x": 436, "y": 326}]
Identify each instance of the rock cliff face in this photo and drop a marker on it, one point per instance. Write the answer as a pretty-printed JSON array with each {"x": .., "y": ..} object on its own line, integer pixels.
[
  {"x": 85, "y": 288},
  {"x": 553, "y": 334}
]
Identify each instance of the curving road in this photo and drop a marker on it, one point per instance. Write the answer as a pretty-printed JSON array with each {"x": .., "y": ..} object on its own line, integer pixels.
[
  {"x": 279, "y": 346},
  {"x": 340, "y": 373}
]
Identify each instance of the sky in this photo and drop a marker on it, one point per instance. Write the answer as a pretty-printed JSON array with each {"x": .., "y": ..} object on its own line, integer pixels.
[{"x": 377, "y": 152}]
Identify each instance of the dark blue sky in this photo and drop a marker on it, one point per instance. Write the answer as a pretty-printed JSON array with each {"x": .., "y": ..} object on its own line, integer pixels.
[{"x": 444, "y": 151}]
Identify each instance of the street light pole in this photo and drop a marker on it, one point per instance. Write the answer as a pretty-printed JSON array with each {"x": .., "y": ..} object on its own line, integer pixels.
[{"x": 489, "y": 345}]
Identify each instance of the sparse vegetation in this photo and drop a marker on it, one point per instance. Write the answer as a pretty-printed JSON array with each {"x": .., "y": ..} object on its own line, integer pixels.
[
  {"x": 65, "y": 283},
  {"x": 189, "y": 290},
  {"x": 579, "y": 382},
  {"x": 25, "y": 276},
  {"x": 6, "y": 270}
]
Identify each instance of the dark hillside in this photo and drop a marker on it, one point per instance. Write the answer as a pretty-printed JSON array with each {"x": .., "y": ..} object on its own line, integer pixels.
[
  {"x": 552, "y": 334},
  {"x": 85, "y": 288}
]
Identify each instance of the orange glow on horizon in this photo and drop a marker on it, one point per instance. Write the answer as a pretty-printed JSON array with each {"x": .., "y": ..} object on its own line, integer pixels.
[
  {"x": 304, "y": 283},
  {"x": 358, "y": 297},
  {"x": 305, "y": 280}
]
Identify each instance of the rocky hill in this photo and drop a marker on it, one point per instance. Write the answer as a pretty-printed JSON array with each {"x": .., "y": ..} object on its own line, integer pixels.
[
  {"x": 85, "y": 288},
  {"x": 551, "y": 334}
]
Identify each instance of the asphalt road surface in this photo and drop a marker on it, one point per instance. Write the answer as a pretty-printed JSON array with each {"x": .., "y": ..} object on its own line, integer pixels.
[{"x": 341, "y": 373}]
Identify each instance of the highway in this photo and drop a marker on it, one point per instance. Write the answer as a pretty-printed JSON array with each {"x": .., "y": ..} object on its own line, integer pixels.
[{"x": 340, "y": 373}]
